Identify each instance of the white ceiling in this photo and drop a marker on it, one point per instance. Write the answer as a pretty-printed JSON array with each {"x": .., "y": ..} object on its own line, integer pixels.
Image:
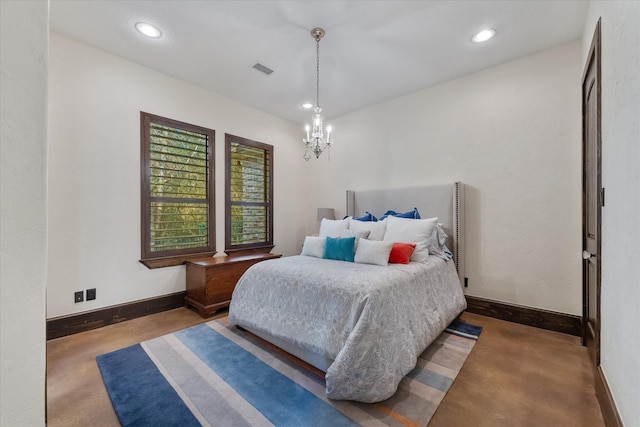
[{"x": 373, "y": 50}]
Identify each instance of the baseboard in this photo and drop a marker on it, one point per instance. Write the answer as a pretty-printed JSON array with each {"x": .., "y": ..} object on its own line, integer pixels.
[
  {"x": 551, "y": 320},
  {"x": 608, "y": 408},
  {"x": 74, "y": 323}
]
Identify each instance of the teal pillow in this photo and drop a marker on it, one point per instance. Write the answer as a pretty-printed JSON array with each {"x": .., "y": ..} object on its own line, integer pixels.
[{"x": 340, "y": 249}]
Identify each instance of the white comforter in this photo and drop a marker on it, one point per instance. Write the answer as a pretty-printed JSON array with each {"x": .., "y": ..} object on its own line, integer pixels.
[{"x": 373, "y": 321}]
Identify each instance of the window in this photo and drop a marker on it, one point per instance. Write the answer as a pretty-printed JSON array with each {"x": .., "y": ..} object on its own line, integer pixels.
[
  {"x": 177, "y": 188},
  {"x": 249, "y": 195}
]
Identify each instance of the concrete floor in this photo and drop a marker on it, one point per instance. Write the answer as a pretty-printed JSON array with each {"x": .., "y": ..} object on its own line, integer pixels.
[{"x": 516, "y": 375}]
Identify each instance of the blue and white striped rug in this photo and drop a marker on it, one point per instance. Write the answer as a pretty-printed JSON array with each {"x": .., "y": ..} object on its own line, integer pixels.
[{"x": 216, "y": 375}]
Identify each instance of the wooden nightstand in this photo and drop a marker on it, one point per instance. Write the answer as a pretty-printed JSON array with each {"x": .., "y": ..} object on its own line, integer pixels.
[{"x": 210, "y": 281}]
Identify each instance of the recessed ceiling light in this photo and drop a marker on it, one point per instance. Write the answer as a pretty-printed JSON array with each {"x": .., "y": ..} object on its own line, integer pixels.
[
  {"x": 483, "y": 36},
  {"x": 148, "y": 30},
  {"x": 307, "y": 105}
]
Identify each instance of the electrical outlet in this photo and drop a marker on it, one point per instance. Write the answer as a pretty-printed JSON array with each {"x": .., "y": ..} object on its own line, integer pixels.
[
  {"x": 466, "y": 284},
  {"x": 78, "y": 296},
  {"x": 91, "y": 294}
]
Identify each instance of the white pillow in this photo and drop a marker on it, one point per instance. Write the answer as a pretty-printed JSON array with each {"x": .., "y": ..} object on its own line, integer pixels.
[
  {"x": 313, "y": 246},
  {"x": 357, "y": 234},
  {"x": 407, "y": 230},
  {"x": 333, "y": 227},
  {"x": 373, "y": 252},
  {"x": 376, "y": 228}
]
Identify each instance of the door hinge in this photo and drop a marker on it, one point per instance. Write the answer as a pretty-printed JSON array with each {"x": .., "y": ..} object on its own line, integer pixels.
[{"x": 602, "y": 197}]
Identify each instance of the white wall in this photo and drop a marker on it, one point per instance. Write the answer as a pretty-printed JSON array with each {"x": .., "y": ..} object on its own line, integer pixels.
[
  {"x": 94, "y": 172},
  {"x": 620, "y": 298},
  {"x": 23, "y": 117},
  {"x": 513, "y": 130},
  {"x": 511, "y": 133}
]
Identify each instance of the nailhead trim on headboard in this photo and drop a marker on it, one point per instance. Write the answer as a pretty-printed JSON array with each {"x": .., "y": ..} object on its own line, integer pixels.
[{"x": 458, "y": 211}]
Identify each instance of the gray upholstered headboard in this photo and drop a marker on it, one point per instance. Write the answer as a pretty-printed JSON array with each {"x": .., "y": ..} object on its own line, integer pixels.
[{"x": 444, "y": 201}]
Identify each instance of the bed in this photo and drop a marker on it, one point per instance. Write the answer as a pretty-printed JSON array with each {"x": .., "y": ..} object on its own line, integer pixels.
[{"x": 362, "y": 324}]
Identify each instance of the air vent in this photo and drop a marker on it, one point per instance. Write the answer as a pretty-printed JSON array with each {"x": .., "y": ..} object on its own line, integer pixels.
[{"x": 262, "y": 68}]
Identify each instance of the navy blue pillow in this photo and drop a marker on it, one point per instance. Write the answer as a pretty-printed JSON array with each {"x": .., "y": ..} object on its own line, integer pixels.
[
  {"x": 341, "y": 248},
  {"x": 411, "y": 214},
  {"x": 368, "y": 216},
  {"x": 388, "y": 213},
  {"x": 414, "y": 214}
]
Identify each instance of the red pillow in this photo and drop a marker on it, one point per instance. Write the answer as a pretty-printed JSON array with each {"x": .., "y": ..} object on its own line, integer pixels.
[{"x": 401, "y": 253}]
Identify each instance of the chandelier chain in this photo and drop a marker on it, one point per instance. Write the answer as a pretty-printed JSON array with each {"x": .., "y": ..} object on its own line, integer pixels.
[{"x": 318, "y": 72}]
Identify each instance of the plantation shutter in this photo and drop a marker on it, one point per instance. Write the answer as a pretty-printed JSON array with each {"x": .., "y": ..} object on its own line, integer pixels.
[
  {"x": 178, "y": 187},
  {"x": 179, "y": 202},
  {"x": 249, "y": 193}
]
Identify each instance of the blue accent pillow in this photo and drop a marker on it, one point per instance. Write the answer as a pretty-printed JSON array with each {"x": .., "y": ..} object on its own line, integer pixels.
[
  {"x": 388, "y": 213},
  {"x": 414, "y": 214},
  {"x": 368, "y": 216},
  {"x": 341, "y": 249}
]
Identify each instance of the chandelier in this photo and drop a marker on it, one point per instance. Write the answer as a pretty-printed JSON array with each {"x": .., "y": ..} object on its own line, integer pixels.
[{"x": 317, "y": 140}]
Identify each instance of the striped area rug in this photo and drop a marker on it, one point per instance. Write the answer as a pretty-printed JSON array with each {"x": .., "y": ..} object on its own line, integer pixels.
[{"x": 214, "y": 374}]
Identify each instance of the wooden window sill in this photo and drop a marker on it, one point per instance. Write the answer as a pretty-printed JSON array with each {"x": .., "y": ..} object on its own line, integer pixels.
[
  {"x": 249, "y": 250},
  {"x": 173, "y": 260}
]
